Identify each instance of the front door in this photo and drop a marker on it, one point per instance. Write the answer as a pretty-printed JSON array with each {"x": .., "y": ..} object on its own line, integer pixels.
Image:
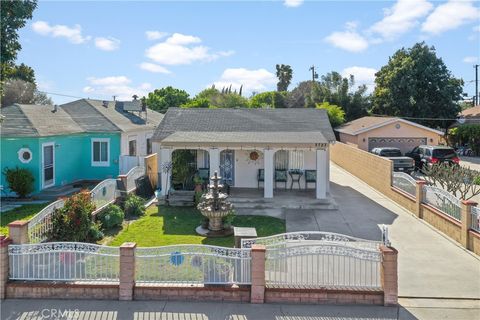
[
  {"x": 48, "y": 165},
  {"x": 227, "y": 166}
]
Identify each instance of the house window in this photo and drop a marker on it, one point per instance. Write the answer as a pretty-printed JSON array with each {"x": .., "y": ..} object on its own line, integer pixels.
[
  {"x": 101, "y": 152},
  {"x": 132, "y": 147},
  {"x": 149, "y": 146}
]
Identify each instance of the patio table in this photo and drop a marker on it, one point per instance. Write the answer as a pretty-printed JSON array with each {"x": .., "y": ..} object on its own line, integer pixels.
[{"x": 295, "y": 176}]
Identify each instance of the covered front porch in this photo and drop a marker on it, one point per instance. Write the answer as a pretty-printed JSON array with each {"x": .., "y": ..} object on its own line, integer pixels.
[{"x": 265, "y": 172}]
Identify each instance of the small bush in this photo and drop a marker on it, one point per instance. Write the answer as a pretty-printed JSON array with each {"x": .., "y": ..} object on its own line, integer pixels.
[
  {"x": 112, "y": 217},
  {"x": 94, "y": 233},
  {"x": 134, "y": 205},
  {"x": 19, "y": 180},
  {"x": 74, "y": 220}
]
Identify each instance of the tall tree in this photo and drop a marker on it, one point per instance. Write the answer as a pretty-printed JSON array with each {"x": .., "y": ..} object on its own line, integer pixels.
[
  {"x": 284, "y": 75},
  {"x": 336, "y": 115},
  {"x": 20, "y": 91},
  {"x": 162, "y": 99},
  {"x": 416, "y": 83},
  {"x": 14, "y": 15}
]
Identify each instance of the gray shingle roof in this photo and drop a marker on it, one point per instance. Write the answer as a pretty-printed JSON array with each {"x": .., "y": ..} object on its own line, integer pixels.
[
  {"x": 29, "y": 120},
  {"x": 187, "y": 124}
]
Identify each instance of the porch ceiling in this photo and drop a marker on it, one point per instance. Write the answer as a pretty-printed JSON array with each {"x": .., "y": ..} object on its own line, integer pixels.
[{"x": 313, "y": 139}]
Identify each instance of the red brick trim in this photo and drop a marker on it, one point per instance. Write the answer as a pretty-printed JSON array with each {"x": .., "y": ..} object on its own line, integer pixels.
[
  {"x": 54, "y": 284},
  {"x": 469, "y": 203},
  {"x": 441, "y": 214},
  {"x": 199, "y": 287},
  {"x": 325, "y": 290}
]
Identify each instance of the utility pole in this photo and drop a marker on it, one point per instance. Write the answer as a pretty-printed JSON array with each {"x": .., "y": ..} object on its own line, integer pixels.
[
  {"x": 314, "y": 74},
  {"x": 476, "y": 86}
]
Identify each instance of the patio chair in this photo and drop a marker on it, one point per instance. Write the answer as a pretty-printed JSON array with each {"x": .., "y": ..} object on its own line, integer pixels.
[
  {"x": 310, "y": 177},
  {"x": 261, "y": 177},
  {"x": 281, "y": 176}
]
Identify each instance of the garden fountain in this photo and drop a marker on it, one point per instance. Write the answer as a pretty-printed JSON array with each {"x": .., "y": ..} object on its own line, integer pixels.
[{"x": 214, "y": 206}]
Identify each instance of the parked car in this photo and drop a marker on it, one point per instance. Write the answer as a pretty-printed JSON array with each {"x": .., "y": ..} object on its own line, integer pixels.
[
  {"x": 429, "y": 155},
  {"x": 400, "y": 163}
]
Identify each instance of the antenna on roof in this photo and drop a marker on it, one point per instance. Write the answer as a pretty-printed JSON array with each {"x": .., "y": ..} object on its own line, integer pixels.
[
  {"x": 114, "y": 98},
  {"x": 135, "y": 97}
]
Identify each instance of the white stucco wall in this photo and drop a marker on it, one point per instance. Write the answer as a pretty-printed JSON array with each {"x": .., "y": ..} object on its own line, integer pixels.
[{"x": 140, "y": 137}]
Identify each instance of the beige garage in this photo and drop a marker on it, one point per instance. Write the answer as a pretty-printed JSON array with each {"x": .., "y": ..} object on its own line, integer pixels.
[{"x": 370, "y": 132}]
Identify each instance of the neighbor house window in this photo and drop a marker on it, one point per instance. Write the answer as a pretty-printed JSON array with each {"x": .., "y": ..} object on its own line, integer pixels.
[
  {"x": 132, "y": 147},
  {"x": 101, "y": 152},
  {"x": 149, "y": 146}
]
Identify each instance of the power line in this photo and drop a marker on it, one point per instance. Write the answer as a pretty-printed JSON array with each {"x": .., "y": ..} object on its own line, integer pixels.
[{"x": 414, "y": 118}]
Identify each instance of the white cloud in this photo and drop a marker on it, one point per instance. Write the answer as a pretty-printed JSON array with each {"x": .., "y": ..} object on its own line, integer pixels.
[
  {"x": 401, "y": 17},
  {"x": 180, "y": 49},
  {"x": 450, "y": 16},
  {"x": 349, "y": 39},
  {"x": 362, "y": 75},
  {"x": 292, "y": 3},
  {"x": 252, "y": 80},
  {"x": 119, "y": 86},
  {"x": 72, "y": 34},
  {"x": 155, "y": 35},
  {"x": 107, "y": 44},
  {"x": 470, "y": 59},
  {"x": 152, "y": 67}
]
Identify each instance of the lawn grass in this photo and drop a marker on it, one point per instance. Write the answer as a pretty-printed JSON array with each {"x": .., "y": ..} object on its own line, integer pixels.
[
  {"x": 24, "y": 212},
  {"x": 162, "y": 226}
]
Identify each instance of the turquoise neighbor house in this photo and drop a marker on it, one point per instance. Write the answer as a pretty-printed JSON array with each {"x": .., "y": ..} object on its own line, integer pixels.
[{"x": 76, "y": 141}]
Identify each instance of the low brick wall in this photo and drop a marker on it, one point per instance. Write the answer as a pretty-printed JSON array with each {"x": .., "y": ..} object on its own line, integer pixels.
[
  {"x": 312, "y": 296},
  {"x": 442, "y": 222},
  {"x": 193, "y": 293},
  {"x": 474, "y": 241},
  {"x": 402, "y": 198},
  {"x": 60, "y": 290}
]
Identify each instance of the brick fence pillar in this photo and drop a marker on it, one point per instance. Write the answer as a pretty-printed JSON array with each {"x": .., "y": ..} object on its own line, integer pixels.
[
  {"x": 419, "y": 198},
  {"x": 389, "y": 275},
  {"x": 18, "y": 231},
  {"x": 127, "y": 270},
  {"x": 257, "y": 291},
  {"x": 466, "y": 215},
  {"x": 4, "y": 264}
]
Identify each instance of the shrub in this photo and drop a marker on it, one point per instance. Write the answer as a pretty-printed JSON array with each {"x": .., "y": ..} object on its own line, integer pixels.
[
  {"x": 94, "y": 233},
  {"x": 74, "y": 220},
  {"x": 19, "y": 180},
  {"x": 112, "y": 217},
  {"x": 134, "y": 205}
]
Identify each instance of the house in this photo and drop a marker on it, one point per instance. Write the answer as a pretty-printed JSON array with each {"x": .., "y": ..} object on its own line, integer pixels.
[
  {"x": 250, "y": 148},
  {"x": 471, "y": 115},
  {"x": 369, "y": 132},
  {"x": 72, "y": 142}
]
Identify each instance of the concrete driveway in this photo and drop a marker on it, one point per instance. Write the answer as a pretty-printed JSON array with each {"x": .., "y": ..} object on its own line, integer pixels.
[
  {"x": 470, "y": 162},
  {"x": 430, "y": 264}
]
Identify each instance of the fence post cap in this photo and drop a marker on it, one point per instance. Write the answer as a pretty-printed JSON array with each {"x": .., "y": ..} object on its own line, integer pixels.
[
  {"x": 18, "y": 224},
  {"x": 128, "y": 245},
  {"x": 388, "y": 250},
  {"x": 4, "y": 241},
  {"x": 422, "y": 182},
  {"x": 469, "y": 203},
  {"x": 259, "y": 247}
]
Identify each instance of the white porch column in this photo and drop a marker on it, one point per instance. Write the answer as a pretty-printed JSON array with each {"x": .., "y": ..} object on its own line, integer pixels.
[
  {"x": 322, "y": 169},
  {"x": 328, "y": 171},
  {"x": 165, "y": 161},
  {"x": 268, "y": 156},
  {"x": 214, "y": 154}
]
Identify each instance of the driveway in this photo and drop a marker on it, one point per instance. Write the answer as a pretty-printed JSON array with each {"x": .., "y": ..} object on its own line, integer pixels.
[
  {"x": 430, "y": 264},
  {"x": 470, "y": 162}
]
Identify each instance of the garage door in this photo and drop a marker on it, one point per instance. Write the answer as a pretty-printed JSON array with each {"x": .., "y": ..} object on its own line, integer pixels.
[{"x": 404, "y": 144}]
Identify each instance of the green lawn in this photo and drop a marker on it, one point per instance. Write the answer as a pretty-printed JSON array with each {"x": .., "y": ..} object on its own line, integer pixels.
[
  {"x": 162, "y": 226},
  {"x": 24, "y": 212}
]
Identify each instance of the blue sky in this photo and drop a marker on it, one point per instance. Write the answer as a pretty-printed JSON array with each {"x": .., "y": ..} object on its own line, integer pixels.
[{"x": 99, "y": 49}]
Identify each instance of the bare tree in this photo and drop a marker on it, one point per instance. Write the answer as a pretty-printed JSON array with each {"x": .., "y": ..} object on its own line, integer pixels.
[
  {"x": 20, "y": 91},
  {"x": 462, "y": 182}
]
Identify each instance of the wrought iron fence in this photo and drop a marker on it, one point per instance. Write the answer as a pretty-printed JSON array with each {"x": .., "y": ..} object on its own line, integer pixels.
[
  {"x": 104, "y": 193},
  {"x": 132, "y": 176},
  {"x": 313, "y": 237},
  {"x": 404, "y": 182},
  {"x": 64, "y": 261},
  {"x": 331, "y": 266},
  {"x": 193, "y": 264},
  {"x": 475, "y": 219},
  {"x": 443, "y": 201},
  {"x": 41, "y": 223}
]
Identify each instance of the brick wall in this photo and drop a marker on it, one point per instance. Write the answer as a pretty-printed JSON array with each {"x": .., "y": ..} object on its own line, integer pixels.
[
  {"x": 474, "y": 241},
  {"x": 194, "y": 293},
  {"x": 52, "y": 290},
  {"x": 306, "y": 296},
  {"x": 442, "y": 222}
]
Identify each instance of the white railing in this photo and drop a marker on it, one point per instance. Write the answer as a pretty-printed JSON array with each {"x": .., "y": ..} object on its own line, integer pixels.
[
  {"x": 193, "y": 264},
  {"x": 128, "y": 162},
  {"x": 64, "y": 261},
  {"x": 312, "y": 237},
  {"x": 404, "y": 182},
  {"x": 475, "y": 219},
  {"x": 41, "y": 223},
  {"x": 443, "y": 201},
  {"x": 132, "y": 176},
  {"x": 104, "y": 194},
  {"x": 329, "y": 265}
]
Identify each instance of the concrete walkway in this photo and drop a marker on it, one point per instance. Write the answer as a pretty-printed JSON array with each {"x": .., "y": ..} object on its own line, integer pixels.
[{"x": 430, "y": 264}]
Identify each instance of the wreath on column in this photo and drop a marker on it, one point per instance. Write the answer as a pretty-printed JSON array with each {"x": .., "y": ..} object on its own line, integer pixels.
[{"x": 253, "y": 157}]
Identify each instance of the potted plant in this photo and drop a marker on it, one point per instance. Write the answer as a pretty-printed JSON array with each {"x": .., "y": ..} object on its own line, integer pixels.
[{"x": 198, "y": 183}]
